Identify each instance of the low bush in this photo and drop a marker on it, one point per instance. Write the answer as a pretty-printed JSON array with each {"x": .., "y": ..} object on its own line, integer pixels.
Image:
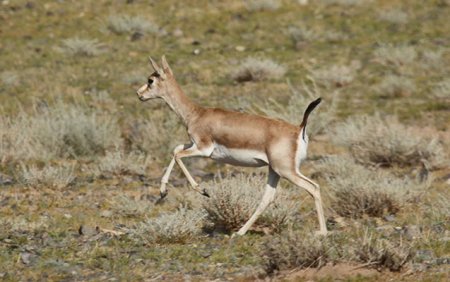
[
  {"x": 394, "y": 16},
  {"x": 253, "y": 69},
  {"x": 177, "y": 227},
  {"x": 81, "y": 47},
  {"x": 234, "y": 199},
  {"x": 355, "y": 190},
  {"x": 335, "y": 75},
  {"x": 50, "y": 176},
  {"x": 129, "y": 24},
  {"x": 395, "y": 86},
  {"x": 387, "y": 142},
  {"x": 397, "y": 56},
  {"x": 262, "y": 5}
]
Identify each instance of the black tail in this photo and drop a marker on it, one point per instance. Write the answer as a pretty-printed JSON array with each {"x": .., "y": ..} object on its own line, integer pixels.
[{"x": 309, "y": 109}]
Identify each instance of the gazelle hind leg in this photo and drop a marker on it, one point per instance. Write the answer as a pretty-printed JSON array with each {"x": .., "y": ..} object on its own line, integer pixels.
[
  {"x": 268, "y": 197},
  {"x": 314, "y": 190}
]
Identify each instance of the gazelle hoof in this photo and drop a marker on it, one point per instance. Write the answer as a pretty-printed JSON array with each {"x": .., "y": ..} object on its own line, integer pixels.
[
  {"x": 204, "y": 193},
  {"x": 321, "y": 233}
]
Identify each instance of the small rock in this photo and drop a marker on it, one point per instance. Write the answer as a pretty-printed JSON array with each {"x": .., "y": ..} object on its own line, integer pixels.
[
  {"x": 196, "y": 52},
  {"x": 68, "y": 215},
  {"x": 5, "y": 180},
  {"x": 87, "y": 230},
  {"x": 441, "y": 261},
  {"x": 389, "y": 218},
  {"x": 106, "y": 213},
  {"x": 412, "y": 232},
  {"x": 2, "y": 274},
  {"x": 27, "y": 258}
]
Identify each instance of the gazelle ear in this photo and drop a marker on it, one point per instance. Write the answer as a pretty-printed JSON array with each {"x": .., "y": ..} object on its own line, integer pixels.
[
  {"x": 165, "y": 65},
  {"x": 154, "y": 65}
]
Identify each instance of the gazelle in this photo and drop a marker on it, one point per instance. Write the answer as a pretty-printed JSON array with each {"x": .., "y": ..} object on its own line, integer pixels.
[{"x": 236, "y": 138}]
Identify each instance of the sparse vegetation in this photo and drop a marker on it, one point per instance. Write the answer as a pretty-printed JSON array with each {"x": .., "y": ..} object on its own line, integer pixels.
[
  {"x": 262, "y": 5},
  {"x": 253, "y": 69},
  {"x": 396, "y": 56},
  {"x": 356, "y": 191},
  {"x": 59, "y": 131},
  {"x": 50, "y": 176},
  {"x": 177, "y": 227},
  {"x": 335, "y": 75},
  {"x": 394, "y": 16},
  {"x": 130, "y": 25},
  {"x": 387, "y": 142},
  {"x": 395, "y": 86},
  {"x": 81, "y": 47},
  {"x": 442, "y": 89},
  {"x": 118, "y": 162}
]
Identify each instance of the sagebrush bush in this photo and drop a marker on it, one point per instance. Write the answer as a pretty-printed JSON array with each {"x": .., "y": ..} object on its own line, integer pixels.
[
  {"x": 295, "y": 250},
  {"x": 355, "y": 190},
  {"x": 253, "y": 69},
  {"x": 130, "y": 207},
  {"x": 395, "y": 86},
  {"x": 299, "y": 100},
  {"x": 52, "y": 176},
  {"x": 397, "y": 56},
  {"x": 176, "y": 227},
  {"x": 378, "y": 252},
  {"x": 433, "y": 58},
  {"x": 234, "y": 199},
  {"x": 81, "y": 47},
  {"x": 61, "y": 130},
  {"x": 262, "y": 5},
  {"x": 118, "y": 162},
  {"x": 335, "y": 75},
  {"x": 442, "y": 89},
  {"x": 386, "y": 141},
  {"x": 344, "y": 2},
  {"x": 131, "y": 24},
  {"x": 302, "y": 34},
  {"x": 394, "y": 16},
  {"x": 9, "y": 78}
]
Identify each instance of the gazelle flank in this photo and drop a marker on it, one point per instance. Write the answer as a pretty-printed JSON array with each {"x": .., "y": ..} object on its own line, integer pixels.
[{"x": 235, "y": 138}]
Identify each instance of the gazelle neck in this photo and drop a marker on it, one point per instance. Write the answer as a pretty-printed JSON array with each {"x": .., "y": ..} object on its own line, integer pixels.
[{"x": 180, "y": 103}]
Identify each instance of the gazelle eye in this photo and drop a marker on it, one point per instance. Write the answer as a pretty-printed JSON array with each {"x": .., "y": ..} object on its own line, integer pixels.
[{"x": 150, "y": 81}]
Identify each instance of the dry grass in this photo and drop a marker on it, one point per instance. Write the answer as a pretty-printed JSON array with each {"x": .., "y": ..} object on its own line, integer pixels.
[
  {"x": 234, "y": 199},
  {"x": 396, "y": 56},
  {"x": 81, "y": 47},
  {"x": 395, "y": 86},
  {"x": 49, "y": 176},
  {"x": 394, "y": 16},
  {"x": 59, "y": 131},
  {"x": 334, "y": 76},
  {"x": 262, "y": 5},
  {"x": 254, "y": 69},
  {"x": 295, "y": 250},
  {"x": 356, "y": 191},
  {"x": 177, "y": 227},
  {"x": 9, "y": 78},
  {"x": 442, "y": 89},
  {"x": 130, "y": 207},
  {"x": 382, "y": 253},
  {"x": 119, "y": 162},
  {"x": 387, "y": 142},
  {"x": 130, "y": 25},
  {"x": 300, "y": 99}
]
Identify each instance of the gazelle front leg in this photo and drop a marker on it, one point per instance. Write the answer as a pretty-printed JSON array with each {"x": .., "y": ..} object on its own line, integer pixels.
[
  {"x": 181, "y": 151},
  {"x": 165, "y": 179}
]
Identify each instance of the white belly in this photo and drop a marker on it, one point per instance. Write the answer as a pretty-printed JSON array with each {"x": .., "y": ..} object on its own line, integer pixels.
[{"x": 240, "y": 157}]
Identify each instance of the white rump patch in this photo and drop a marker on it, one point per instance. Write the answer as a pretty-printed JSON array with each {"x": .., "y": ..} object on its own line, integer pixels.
[{"x": 302, "y": 147}]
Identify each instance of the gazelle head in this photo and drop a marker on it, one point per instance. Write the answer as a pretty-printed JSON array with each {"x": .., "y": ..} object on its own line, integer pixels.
[{"x": 158, "y": 82}]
